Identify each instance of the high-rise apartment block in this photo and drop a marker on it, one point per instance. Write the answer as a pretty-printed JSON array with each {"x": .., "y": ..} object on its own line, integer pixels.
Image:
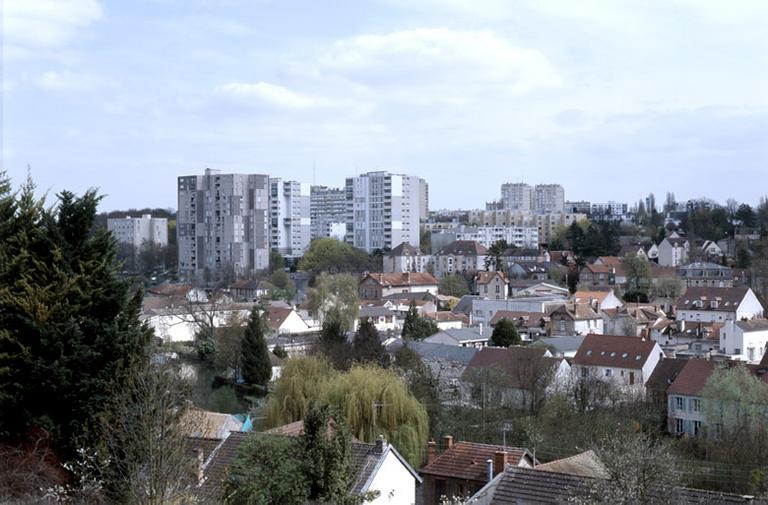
[
  {"x": 140, "y": 230},
  {"x": 548, "y": 199},
  {"x": 384, "y": 210},
  {"x": 289, "y": 221},
  {"x": 328, "y": 212},
  {"x": 222, "y": 224},
  {"x": 516, "y": 196}
]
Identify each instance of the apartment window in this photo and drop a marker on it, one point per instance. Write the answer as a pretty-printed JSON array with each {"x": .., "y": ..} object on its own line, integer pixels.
[
  {"x": 737, "y": 350},
  {"x": 696, "y": 427},
  {"x": 585, "y": 372},
  {"x": 679, "y": 403},
  {"x": 696, "y": 405},
  {"x": 679, "y": 426},
  {"x": 608, "y": 372}
]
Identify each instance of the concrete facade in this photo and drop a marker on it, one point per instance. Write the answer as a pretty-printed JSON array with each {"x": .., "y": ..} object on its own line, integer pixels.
[
  {"x": 289, "y": 213},
  {"x": 140, "y": 230}
]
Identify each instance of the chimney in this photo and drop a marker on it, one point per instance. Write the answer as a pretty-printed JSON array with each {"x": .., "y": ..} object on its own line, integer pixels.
[
  {"x": 490, "y": 469},
  {"x": 200, "y": 469},
  {"x": 431, "y": 451},
  {"x": 447, "y": 442},
  {"x": 499, "y": 462},
  {"x": 381, "y": 444}
]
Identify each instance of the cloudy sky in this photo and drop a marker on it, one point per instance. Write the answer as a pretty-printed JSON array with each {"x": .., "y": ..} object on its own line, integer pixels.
[{"x": 613, "y": 99}]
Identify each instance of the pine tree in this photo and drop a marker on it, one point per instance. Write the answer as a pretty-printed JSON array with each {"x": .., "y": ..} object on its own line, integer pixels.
[
  {"x": 327, "y": 454},
  {"x": 257, "y": 367},
  {"x": 71, "y": 332},
  {"x": 505, "y": 334},
  {"x": 416, "y": 327},
  {"x": 367, "y": 345}
]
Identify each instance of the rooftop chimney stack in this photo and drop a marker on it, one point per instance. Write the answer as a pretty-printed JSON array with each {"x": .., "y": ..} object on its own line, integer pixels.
[
  {"x": 381, "y": 444},
  {"x": 490, "y": 469},
  {"x": 431, "y": 451},
  {"x": 499, "y": 462},
  {"x": 447, "y": 442}
]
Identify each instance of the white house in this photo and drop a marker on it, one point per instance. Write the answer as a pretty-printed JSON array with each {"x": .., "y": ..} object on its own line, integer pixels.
[
  {"x": 382, "y": 317},
  {"x": 708, "y": 304},
  {"x": 286, "y": 320},
  {"x": 745, "y": 340},
  {"x": 406, "y": 258},
  {"x": 673, "y": 252},
  {"x": 476, "y": 336},
  {"x": 627, "y": 362},
  {"x": 575, "y": 319}
]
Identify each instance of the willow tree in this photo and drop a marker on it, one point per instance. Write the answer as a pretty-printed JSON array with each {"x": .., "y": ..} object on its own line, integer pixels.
[
  {"x": 377, "y": 402},
  {"x": 301, "y": 381}
]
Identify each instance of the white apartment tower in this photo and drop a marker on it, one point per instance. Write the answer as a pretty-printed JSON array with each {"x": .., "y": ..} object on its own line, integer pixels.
[
  {"x": 289, "y": 222},
  {"x": 140, "y": 230},
  {"x": 548, "y": 199},
  {"x": 222, "y": 224},
  {"x": 516, "y": 196},
  {"x": 328, "y": 211},
  {"x": 384, "y": 210}
]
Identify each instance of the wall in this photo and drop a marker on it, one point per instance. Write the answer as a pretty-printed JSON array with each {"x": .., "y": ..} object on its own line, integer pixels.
[{"x": 394, "y": 482}]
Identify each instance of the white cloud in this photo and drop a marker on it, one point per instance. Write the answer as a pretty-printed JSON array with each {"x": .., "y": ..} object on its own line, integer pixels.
[
  {"x": 271, "y": 94},
  {"x": 439, "y": 64},
  {"x": 46, "y": 23},
  {"x": 65, "y": 81}
]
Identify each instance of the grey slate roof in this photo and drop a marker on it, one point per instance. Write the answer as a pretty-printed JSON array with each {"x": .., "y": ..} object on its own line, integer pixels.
[
  {"x": 465, "y": 304},
  {"x": 527, "y": 486},
  {"x": 455, "y": 336},
  {"x": 753, "y": 325},
  {"x": 564, "y": 344},
  {"x": 443, "y": 352},
  {"x": 375, "y": 311}
]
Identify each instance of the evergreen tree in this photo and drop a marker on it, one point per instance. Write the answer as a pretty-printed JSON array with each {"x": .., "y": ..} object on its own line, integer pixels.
[
  {"x": 505, "y": 334},
  {"x": 70, "y": 329},
  {"x": 257, "y": 367},
  {"x": 416, "y": 327},
  {"x": 327, "y": 454},
  {"x": 575, "y": 236},
  {"x": 280, "y": 352},
  {"x": 367, "y": 345}
]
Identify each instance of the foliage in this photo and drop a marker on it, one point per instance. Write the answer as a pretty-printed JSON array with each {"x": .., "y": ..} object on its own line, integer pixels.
[
  {"x": 280, "y": 352},
  {"x": 454, "y": 284},
  {"x": 735, "y": 402},
  {"x": 505, "y": 334},
  {"x": 333, "y": 256},
  {"x": 743, "y": 258},
  {"x": 638, "y": 272},
  {"x": 257, "y": 367},
  {"x": 707, "y": 223},
  {"x": 267, "y": 471},
  {"x": 327, "y": 454},
  {"x": 367, "y": 345},
  {"x": 228, "y": 353},
  {"x": 635, "y": 296},
  {"x": 143, "y": 438},
  {"x": 374, "y": 401},
  {"x": 337, "y": 295},
  {"x": 333, "y": 341},
  {"x": 746, "y": 216},
  {"x": 302, "y": 381},
  {"x": 416, "y": 327},
  {"x": 69, "y": 327},
  {"x": 493, "y": 256}
]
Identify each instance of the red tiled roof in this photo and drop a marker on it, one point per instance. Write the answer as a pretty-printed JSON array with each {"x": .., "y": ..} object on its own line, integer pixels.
[
  {"x": 728, "y": 299},
  {"x": 467, "y": 461},
  {"x": 486, "y": 277},
  {"x": 696, "y": 372},
  {"x": 276, "y": 316},
  {"x": 612, "y": 350},
  {"x": 445, "y": 316},
  {"x": 403, "y": 279}
]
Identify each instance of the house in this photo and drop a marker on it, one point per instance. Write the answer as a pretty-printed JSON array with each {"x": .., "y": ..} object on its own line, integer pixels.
[
  {"x": 515, "y": 255},
  {"x": 711, "y": 250},
  {"x": 575, "y": 319},
  {"x": 633, "y": 250},
  {"x": 375, "y": 286},
  {"x": 286, "y": 320},
  {"x": 514, "y": 376},
  {"x": 706, "y": 274},
  {"x": 633, "y": 319},
  {"x": 460, "y": 256},
  {"x": 383, "y": 319},
  {"x": 529, "y": 325},
  {"x": 744, "y": 340},
  {"x": 405, "y": 258},
  {"x": 673, "y": 252},
  {"x": 475, "y": 336},
  {"x": 190, "y": 293},
  {"x": 707, "y": 304},
  {"x": 482, "y": 311},
  {"x": 662, "y": 377},
  {"x": 627, "y": 362},
  {"x": 447, "y": 320},
  {"x": 598, "y": 300},
  {"x": 493, "y": 285},
  {"x": 462, "y": 468},
  {"x": 531, "y": 270},
  {"x": 529, "y": 486},
  {"x": 685, "y": 405},
  {"x": 564, "y": 346},
  {"x": 598, "y": 275},
  {"x": 652, "y": 253},
  {"x": 250, "y": 290},
  {"x": 446, "y": 364},
  {"x": 213, "y": 425},
  {"x": 374, "y": 467},
  {"x": 537, "y": 288}
]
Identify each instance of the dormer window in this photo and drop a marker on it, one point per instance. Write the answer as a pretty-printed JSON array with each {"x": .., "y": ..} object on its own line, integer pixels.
[{"x": 713, "y": 304}]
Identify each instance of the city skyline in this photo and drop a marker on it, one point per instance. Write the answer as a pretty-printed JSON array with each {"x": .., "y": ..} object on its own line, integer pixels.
[{"x": 604, "y": 98}]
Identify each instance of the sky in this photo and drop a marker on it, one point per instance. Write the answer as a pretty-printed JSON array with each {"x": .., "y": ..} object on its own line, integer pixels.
[{"x": 612, "y": 99}]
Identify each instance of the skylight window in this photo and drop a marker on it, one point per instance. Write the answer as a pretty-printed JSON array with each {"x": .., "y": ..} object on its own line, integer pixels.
[
  {"x": 625, "y": 355},
  {"x": 613, "y": 354},
  {"x": 589, "y": 352},
  {"x": 637, "y": 358}
]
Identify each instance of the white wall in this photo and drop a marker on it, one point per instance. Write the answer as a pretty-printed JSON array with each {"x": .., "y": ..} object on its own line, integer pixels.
[{"x": 394, "y": 482}]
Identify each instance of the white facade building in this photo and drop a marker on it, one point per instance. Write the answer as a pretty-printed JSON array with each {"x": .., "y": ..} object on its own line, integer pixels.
[
  {"x": 140, "y": 230},
  {"x": 327, "y": 212},
  {"x": 289, "y": 227},
  {"x": 523, "y": 237},
  {"x": 222, "y": 224},
  {"x": 673, "y": 252},
  {"x": 384, "y": 210},
  {"x": 548, "y": 199},
  {"x": 745, "y": 340},
  {"x": 718, "y": 305},
  {"x": 516, "y": 196}
]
